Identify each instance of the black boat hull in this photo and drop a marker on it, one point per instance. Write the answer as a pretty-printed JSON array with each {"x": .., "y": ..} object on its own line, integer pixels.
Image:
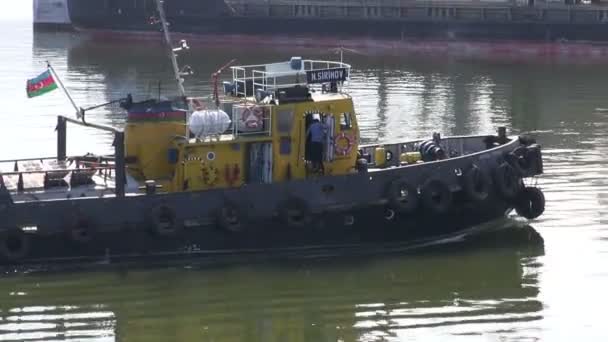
[
  {"x": 370, "y": 228},
  {"x": 400, "y": 203}
]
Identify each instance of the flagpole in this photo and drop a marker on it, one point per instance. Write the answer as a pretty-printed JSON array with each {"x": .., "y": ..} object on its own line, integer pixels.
[{"x": 67, "y": 93}]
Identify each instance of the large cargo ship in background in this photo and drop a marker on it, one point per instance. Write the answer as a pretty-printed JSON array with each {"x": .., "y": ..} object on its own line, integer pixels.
[
  {"x": 489, "y": 27},
  {"x": 51, "y": 14}
]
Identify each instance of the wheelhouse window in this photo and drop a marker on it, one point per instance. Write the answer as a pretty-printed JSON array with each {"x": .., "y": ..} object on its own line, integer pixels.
[{"x": 346, "y": 121}]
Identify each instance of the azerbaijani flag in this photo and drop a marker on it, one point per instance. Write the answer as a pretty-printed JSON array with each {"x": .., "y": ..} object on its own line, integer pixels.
[{"x": 41, "y": 84}]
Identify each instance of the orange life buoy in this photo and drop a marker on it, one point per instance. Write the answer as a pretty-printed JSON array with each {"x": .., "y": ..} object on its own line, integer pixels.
[
  {"x": 252, "y": 117},
  {"x": 345, "y": 149}
]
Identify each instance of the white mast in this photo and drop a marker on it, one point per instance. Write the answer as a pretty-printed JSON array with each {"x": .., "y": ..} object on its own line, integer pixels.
[{"x": 167, "y": 36}]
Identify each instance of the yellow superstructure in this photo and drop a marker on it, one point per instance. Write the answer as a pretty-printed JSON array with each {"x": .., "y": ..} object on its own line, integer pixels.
[{"x": 266, "y": 141}]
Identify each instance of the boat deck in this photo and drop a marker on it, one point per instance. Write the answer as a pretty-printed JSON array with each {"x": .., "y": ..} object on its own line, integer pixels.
[
  {"x": 95, "y": 176},
  {"x": 52, "y": 179}
]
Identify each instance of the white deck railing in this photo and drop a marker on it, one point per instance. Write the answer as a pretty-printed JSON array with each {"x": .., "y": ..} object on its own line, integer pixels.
[{"x": 272, "y": 76}]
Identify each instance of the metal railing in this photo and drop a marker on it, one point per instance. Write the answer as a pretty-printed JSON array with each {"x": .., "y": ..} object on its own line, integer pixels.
[
  {"x": 119, "y": 148},
  {"x": 260, "y": 76}
]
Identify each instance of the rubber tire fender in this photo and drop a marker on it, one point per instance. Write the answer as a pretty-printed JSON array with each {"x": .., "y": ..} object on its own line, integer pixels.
[
  {"x": 402, "y": 196},
  {"x": 476, "y": 183},
  {"x": 507, "y": 181},
  {"x": 530, "y": 203},
  {"x": 436, "y": 196},
  {"x": 295, "y": 212},
  {"x": 520, "y": 161},
  {"x": 535, "y": 158},
  {"x": 14, "y": 254},
  {"x": 81, "y": 229},
  {"x": 229, "y": 217},
  {"x": 163, "y": 221}
]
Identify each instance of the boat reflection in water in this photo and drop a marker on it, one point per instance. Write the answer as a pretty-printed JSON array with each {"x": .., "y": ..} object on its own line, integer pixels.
[{"x": 485, "y": 284}]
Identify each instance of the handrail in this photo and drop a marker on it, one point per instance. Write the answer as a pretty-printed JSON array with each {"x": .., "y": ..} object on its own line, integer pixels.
[
  {"x": 119, "y": 148},
  {"x": 260, "y": 77},
  {"x": 32, "y": 172},
  {"x": 304, "y": 61},
  {"x": 420, "y": 3},
  {"x": 51, "y": 158},
  {"x": 92, "y": 125}
]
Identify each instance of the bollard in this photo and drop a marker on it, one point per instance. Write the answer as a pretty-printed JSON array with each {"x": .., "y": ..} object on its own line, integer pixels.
[
  {"x": 502, "y": 135},
  {"x": 119, "y": 163},
  {"x": 20, "y": 186},
  {"x": 61, "y": 137},
  {"x": 150, "y": 187}
]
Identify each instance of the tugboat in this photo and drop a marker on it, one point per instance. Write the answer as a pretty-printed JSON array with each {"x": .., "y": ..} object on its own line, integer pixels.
[{"x": 275, "y": 162}]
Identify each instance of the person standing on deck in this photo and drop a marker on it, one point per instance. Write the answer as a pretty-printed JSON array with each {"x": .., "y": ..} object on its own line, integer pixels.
[{"x": 316, "y": 130}]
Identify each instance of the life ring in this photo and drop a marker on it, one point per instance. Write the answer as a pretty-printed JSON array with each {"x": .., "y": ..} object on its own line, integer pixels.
[
  {"x": 14, "y": 245},
  {"x": 257, "y": 113},
  {"x": 436, "y": 196},
  {"x": 163, "y": 221},
  {"x": 476, "y": 184},
  {"x": 210, "y": 174},
  {"x": 295, "y": 212},
  {"x": 530, "y": 203},
  {"x": 229, "y": 217},
  {"x": 507, "y": 181},
  {"x": 347, "y": 147},
  {"x": 402, "y": 196},
  {"x": 81, "y": 229},
  {"x": 519, "y": 160}
]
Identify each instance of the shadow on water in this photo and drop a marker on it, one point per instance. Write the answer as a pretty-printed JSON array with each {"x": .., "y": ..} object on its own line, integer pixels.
[{"x": 479, "y": 283}]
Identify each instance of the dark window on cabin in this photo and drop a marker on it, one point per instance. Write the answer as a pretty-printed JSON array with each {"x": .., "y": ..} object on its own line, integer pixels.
[
  {"x": 346, "y": 121},
  {"x": 285, "y": 121}
]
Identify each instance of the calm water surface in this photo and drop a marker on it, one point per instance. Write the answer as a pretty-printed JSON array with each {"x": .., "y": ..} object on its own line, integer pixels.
[{"x": 476, "y": 292}]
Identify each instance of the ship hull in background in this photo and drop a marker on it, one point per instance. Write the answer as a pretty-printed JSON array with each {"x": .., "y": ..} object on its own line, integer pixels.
[
  {"x": 567, "y": 23},
  {"x": 51, "y": 14},
  {"x": 576, "y": 33}
]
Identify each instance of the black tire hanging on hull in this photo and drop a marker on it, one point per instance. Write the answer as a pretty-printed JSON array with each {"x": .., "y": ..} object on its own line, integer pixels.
[
  {"x": 530, "y": 203},
  {"x": 229, "y": 218},
  {"x": 436, "y": 196},
  {"x": 507, "y": 181},
  {"x": 476, "y": 184},
  {"x": 534, "y": 156},
  {"x": 81, "y": 230},
  {"x": 14, "y": 245},
  {"x": 163, "y": 221},
  {"x": 520, "y": 161},
  {"x": 389, "y": 214},
  {"x": 294, "y": 212}
]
